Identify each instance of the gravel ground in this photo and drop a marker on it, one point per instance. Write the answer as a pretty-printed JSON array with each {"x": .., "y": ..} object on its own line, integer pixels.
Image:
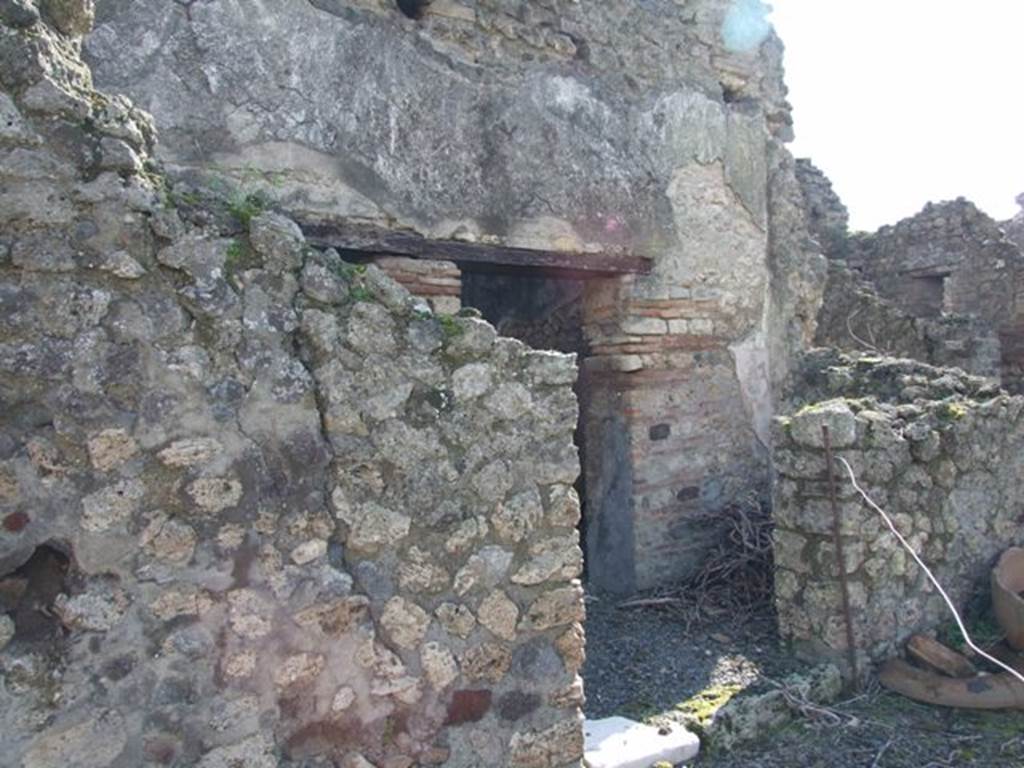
[
  {"x": 642, "y": 662},
  {"x": 884, "y": 730}
]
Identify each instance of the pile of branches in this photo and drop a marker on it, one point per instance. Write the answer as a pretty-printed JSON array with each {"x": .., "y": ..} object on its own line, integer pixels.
[
  {"x": 736, "y": 578},
  {"x": 740, "y": 566}
]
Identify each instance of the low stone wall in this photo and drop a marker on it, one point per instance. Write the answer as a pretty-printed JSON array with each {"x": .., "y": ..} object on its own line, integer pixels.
[
  {"x": 258, "y": 506},
  {"x": 941, "y": 452}
]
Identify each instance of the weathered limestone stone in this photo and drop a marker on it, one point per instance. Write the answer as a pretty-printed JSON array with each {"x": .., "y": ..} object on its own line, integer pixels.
[
  {"x": 509, "y": 401},
  {"x": 483, "y": 570},
  {"x": 299, "y": 669},
  {"x": 469, "y": 532},
  {"x": 343, "y": 699},
  {"x": 439, "y": 665},
  {"x": 559, "y": 558},
  {"x": 190, "y": 452},
  {"x": 456, "y": 618},
  {"x": 111, "y": 448},
  {"x": 405, "y": 622},
  {"x": 554, "y": 608},
  {"x": 488, "y": 661},
  {"x": 215, "y": 494},
  {"x": 472, "y": 381},
  {"x": 249, "y": 614},
  {"x": 560, "y": 744},
  {"x": 570, "y": 645},
  {"x": 111, "y": 506},
  {"x": 499, "y": 614},
  {"x": 517, "y": 516},
  {"x": 309, "y": 551},
  {"x": 407, "y": 689},
  {"x": 371, "y": 329},
  {"x": 93, "y": 611},
  {"x": 240, "y": 665},
  {"x": 335, "y": 617},
  {"x": 180, "y": 601},
  {"x": 419, "y": 573},
  {"x": 563, "y": 506},
  {"x": 278, "y": 240},
  {"x": 568, "y": 697},
  {"x": 122, "y": 265},
  {"x": 93, "y": 743},
  {"x": 372, "y": 526},
  {"x": 806, "y": 426},
  {"x": 321, "y": 280},
  {"x": 169, "y": 540}
]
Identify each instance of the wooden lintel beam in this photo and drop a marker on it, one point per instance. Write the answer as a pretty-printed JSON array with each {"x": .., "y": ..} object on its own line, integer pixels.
[{"x": 378, "y": 241}]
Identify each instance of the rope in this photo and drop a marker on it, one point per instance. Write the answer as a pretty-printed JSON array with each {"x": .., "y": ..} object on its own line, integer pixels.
[{"x": 928, "y": 573}]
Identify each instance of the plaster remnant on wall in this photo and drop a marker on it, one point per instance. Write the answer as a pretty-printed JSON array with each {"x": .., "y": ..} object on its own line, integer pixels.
[{"x": 753, "y": 374}]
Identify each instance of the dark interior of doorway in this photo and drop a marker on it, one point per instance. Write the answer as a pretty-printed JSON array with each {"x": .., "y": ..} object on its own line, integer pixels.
[{"x": 543, "y": 310}]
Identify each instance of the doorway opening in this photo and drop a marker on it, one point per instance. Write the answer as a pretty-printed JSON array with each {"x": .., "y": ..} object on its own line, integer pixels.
[{"x": 926, "y": 294}]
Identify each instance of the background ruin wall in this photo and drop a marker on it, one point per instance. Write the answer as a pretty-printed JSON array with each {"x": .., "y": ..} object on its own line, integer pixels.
[
  {"x": 854, "y": 317},
  {"x": 943, "y": 286},
  {"x": 257, "y": 506},
  {"x": 941, "y": 452}
]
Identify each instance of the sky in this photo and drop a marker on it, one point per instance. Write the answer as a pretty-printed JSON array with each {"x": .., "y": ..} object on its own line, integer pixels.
[{"x": 905, "y": 101}]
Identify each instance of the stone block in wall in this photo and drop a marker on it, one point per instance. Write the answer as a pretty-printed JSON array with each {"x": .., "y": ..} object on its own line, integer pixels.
[{"x": 808, "y": 427}]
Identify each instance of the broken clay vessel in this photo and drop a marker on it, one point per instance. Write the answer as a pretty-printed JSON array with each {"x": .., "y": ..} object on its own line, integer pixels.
[{"x": 1007, "y": 584}]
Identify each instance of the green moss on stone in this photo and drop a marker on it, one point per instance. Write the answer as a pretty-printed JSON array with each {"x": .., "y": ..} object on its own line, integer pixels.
[
  {"x": 360, "y": 293},
  {"x": 951, "y": 411},
  {"x": 699, "y": 709},
  {"x": 246, "y": 206},
  {"x": 239, "y": 257},
  {"x": 450, "y": 326}
]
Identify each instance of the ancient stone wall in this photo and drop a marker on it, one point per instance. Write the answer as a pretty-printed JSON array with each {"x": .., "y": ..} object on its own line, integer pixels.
[
  {"x": 853, "y": 317},
  {"x": 951, "y": 258},
  {"x": 942, "y": 287},
  {"x": 654, "y": 128},
  {"x": 954, "y": 242},
  {"x": 827, "y": 217},
  {"x": 941, "y": 452},
  {"x": 257, "y": 506}
]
